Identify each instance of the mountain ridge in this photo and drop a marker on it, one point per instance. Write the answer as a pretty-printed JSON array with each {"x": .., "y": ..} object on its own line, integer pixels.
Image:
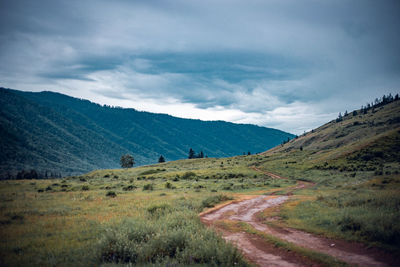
[{"x": 50, "y": 131}]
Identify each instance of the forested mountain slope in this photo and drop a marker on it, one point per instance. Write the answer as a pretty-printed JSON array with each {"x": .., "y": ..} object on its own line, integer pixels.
[{"x": 60, "y": 134}]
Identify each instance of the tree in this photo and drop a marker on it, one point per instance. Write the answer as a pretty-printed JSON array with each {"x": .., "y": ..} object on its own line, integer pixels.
[
  {"x": 192, "y": 154},
  {"x": 127, "y": 161},
  {"x": 161, "y": 159},
  {"x": 339, "y": 118},
  {"x": 200, "y": 155}
]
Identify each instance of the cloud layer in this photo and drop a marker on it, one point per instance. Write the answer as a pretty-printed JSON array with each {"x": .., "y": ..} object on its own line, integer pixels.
[{"x": 291, "y": 65}]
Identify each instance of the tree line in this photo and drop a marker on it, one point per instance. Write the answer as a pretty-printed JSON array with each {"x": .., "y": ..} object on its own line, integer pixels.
[
  {"x": 384, "y": 100},
  {"x": 127, "y": 160},
  {"x": 31, "y": 174}
]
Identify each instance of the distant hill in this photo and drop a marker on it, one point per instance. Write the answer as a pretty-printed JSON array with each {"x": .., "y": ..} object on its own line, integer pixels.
[
  {"x": 55, "y": 133},
  {"x": 360, "y": 140}
]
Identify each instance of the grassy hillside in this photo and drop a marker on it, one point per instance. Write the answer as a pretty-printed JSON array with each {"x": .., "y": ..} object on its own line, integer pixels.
[
  {"x": 355, "y": 164},
  {"x": 61, "y": 134}
]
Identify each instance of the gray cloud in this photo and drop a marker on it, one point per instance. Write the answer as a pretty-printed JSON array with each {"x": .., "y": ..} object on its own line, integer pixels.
[{"x": 310, "y": 59}]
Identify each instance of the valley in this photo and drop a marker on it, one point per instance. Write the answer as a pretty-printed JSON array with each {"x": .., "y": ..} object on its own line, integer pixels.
[{"x": 329, "y": 197}]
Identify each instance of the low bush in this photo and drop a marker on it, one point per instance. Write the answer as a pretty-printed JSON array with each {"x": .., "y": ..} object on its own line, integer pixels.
[
  {"x": 188, "y": 175},
  {"x": 111, "y": 194},
  {"x": 129, "y": 188},
  {"x": 159, "y": 209},
  {"x": 168, "y": 185},
  {"x": 213, "y": 200},
  {"x": 176, "y": 239},
  {"x": 149, "y": 187}
]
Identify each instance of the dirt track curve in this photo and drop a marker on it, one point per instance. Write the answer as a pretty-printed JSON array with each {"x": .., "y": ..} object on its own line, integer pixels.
[{"x": 262, "y": 253}]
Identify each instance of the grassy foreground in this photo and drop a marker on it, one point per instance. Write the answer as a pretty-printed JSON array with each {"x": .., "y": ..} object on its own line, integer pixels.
[
  {"x": 145, "y": 215},
  {"x": 148, "y": 215}
]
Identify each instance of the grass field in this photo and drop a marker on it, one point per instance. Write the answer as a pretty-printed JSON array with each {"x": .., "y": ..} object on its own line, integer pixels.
[
  {"x": 148, "y": 215},
  {"x": 113, "y": 215}
]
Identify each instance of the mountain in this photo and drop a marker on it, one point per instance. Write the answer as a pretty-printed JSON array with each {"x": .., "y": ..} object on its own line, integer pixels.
[{"x": 55, "y": 133}]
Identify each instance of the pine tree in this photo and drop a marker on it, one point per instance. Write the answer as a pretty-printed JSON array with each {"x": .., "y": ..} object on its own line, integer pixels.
[
  {"x": 192, "y": 154},
  {"x": 161, "y": 159},
  {"x": 339, "y": 118},
  {"x": 201, "y": 155}
]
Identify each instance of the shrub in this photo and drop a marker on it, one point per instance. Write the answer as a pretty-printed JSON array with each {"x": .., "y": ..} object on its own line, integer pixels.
[
  {"x": 177, "y": 239},
  {"x": 188, "y": 175},
  {"x": 129, "y": 188},
  {"x": 85, "y": 188},
  {"x": 213, "y": 200},
  {"x": 111, "y": 194},
  {"x": 168, "y": 185},
  {"x": 157, "y": 209},
  {"x": 149, "y": 187}
]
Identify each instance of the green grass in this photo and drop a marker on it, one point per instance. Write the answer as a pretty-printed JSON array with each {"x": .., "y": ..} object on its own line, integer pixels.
[
  {"x": 360, "y": 213},
  {"x": 89, "y": 219},
  {"x": 59, "y": 222}
]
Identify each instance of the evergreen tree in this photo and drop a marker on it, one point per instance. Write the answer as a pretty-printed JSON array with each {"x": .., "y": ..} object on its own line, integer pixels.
[
  {"x": 201, "y": 155},
  {"x": 127, "y": 161},
  {"x": 339, "y": 118},
  {"x": 192, "y": 154},
  {"x": 161, "y": 159}
]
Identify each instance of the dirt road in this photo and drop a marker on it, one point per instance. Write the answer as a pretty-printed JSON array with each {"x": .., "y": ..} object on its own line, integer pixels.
[{"x": 261, "y": 253}]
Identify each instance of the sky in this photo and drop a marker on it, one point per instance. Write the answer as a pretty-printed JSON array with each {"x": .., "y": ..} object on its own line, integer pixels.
[{"x": 286, "y": 64}]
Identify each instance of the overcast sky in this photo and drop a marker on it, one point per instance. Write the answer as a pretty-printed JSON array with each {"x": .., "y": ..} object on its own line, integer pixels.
[{"x": 291, "y": 65}]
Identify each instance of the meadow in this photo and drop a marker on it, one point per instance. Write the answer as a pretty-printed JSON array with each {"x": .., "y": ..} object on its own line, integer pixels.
[
  {"x": 145, "y": 215},
  {"x": 149, "y": 215}
]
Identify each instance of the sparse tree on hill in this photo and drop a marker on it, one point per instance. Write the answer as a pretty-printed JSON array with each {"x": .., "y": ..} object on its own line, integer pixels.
[
  {"x": 339, "y": 118},
  {"x": 127, "y": 161},
  {"x": 161, "y": 159},
  {"x": 201, "y": 155},
  {"x": 192, "y": 154}
]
